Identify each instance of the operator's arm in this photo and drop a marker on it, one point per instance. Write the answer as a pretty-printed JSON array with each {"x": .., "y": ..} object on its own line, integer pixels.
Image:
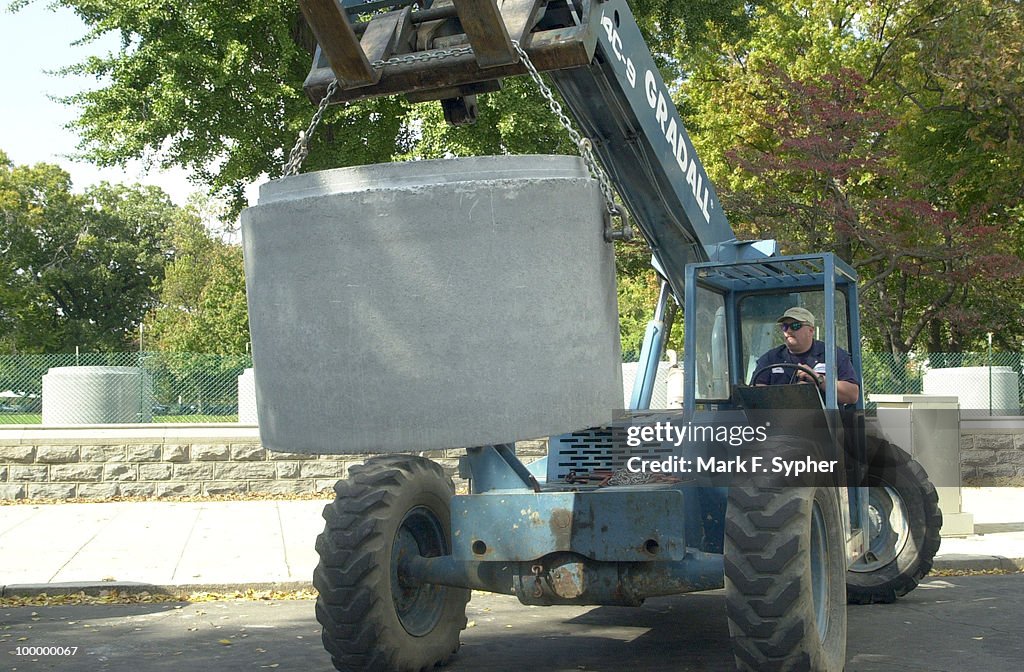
[
  {"x": 847, "y": 388},
  {"x": 847, "y": 391}
]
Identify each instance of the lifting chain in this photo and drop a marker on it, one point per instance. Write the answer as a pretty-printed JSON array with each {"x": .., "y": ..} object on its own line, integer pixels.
[
  {"x": 433, "y": 55},
  {"x": 586, "y": 150},
  {"x": 301, "y": 148}
]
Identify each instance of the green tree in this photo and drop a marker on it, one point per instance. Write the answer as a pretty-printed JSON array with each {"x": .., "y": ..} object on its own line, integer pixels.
[
  {"x": 202, "y": 304},
  {"x": 959, "y": 80},
  {"x": 823, "y": 127},
  {"x": 216, "y": 87},
  {"x": 837, "y": 188},
  {"x": 77, "y": 269}
]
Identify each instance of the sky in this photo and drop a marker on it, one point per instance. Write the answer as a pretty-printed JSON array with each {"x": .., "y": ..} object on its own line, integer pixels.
[{"x": 32, "y": 125}]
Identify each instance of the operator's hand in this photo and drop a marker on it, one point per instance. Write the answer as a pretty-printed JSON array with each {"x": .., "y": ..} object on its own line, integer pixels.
[{"x": 805, "y": 377}]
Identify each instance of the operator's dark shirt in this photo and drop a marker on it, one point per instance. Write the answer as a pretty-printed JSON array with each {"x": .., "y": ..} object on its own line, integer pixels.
[{"x": 815, "y": 355}]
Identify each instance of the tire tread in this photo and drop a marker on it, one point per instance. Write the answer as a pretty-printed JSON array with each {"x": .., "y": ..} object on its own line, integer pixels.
[
  {"x": 887, "y": 587},
  {"x": 767, "y": 593},
  {"x": 353, "y": 574}
]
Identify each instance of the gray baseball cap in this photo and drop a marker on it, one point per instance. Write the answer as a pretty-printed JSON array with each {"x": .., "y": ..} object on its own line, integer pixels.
[{"x": 798, "y": 314}]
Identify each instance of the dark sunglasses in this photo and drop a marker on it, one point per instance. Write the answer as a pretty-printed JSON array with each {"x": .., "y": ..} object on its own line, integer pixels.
[{"x": 792, "y": 326}]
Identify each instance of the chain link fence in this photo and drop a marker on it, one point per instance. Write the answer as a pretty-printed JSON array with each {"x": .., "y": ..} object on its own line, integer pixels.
[
  {"x": 982, "y": 381},
  {"x": 171, "y": 387},
  {"x": 184, "y": 387}
]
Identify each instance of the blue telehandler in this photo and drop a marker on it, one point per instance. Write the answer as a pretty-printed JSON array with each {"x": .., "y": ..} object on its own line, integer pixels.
[{"x": 847, "y": 517}]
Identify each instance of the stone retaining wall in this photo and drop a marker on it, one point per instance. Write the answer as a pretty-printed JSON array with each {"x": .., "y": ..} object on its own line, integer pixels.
[
  {"x": 155, "y": 470},
  {"x": 186, "y": 460},
  {"x": 183, "y": 462},
  {"x": 991, "y": 457}
]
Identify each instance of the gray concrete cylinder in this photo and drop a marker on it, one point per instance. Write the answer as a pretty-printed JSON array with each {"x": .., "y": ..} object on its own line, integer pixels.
[
  {"x": 95, "y": 395},
  {"x": 432, "y": 304}
]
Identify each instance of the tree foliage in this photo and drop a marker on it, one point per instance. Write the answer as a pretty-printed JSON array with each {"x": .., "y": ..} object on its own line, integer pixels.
[
  {"x": 76, "y": 269},
  {"x": 849, "y": 127},
  {"x": 216, "y": 87},
  {"x": 202, "y": 305},
  {"x": 828, "y": 184},
  {"x": 962, "y": 82}
]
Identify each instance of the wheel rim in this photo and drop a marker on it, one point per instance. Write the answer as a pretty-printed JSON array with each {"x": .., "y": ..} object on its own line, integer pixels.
[
  {"x": 418, "y": 606},
  {"x": 888, "y": 527},
  {"x": 819, "y": 571}
]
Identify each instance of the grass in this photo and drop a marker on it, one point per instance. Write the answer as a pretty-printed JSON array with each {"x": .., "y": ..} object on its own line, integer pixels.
[
  {"x": 195, "y": 418},
  {"x": 21, "y": 418},
  {"x": 37, "y": 418}
]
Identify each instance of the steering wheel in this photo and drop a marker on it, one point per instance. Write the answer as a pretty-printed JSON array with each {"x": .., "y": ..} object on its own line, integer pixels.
[{"x": 788, "y": 365}]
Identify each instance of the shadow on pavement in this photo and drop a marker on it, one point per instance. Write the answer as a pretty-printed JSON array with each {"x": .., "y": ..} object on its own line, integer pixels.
[{"x": 946, "y": 625}]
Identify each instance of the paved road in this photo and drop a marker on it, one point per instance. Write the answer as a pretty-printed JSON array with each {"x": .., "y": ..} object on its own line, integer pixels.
[{"x": 954, "y": 624}]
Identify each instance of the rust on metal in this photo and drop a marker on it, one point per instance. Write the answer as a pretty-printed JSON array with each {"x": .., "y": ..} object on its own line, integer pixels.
[
  {"x": 538, "y": 588},
  {"x": 454, "y": 91},
  {"x": 561, "y": 524},
  {"x": 561, "y": 518},
  {"x": 520, "y": 16},
  {"x": 569, "y": 580},
  {"x": 434, "y": 13}
]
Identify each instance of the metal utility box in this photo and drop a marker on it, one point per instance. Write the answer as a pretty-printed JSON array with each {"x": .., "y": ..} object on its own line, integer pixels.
[{"x": 928, "y": 426}]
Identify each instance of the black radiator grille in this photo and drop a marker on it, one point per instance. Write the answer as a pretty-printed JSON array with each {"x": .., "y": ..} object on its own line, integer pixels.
[{"x": 600, "y": 449}]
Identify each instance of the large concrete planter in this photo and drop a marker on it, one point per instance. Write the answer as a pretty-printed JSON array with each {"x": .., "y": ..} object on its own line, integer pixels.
[
  {"x": 432, "y": 304},
  {"x": 94, "y": 395}
]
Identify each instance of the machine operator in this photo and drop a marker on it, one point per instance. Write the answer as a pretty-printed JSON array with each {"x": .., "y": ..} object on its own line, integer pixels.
[{"x": 800, "y": 347}]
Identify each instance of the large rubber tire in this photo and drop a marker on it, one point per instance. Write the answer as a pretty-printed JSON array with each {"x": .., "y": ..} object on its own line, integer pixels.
[
  {"x": 372, "y": 622},
  {"x": 904, "y": 521},
  {"x": 785, "y": 561}
]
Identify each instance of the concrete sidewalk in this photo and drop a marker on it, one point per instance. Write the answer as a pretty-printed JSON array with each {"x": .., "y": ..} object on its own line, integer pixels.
[
  {"x": 217, "y": 546},
  {"x": 177, "y": 545}
]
